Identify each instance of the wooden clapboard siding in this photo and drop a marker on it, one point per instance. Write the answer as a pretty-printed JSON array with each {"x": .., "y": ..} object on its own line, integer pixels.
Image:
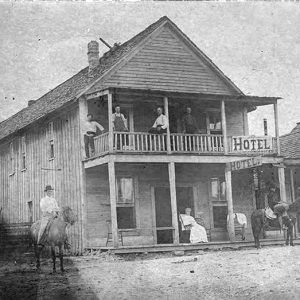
[
  {"x": 166, "y": 63},
  {"x": 28, "y": 185}
]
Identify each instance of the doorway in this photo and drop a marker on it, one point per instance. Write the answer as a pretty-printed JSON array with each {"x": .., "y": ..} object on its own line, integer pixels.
[{"x": 163, "y": 212}]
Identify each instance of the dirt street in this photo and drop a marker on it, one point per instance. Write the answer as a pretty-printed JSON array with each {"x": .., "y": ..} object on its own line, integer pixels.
[{"x": 269, "y": 273}]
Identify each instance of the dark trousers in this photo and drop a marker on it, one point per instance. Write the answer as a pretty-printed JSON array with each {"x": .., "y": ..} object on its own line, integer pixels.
[
  {"x": 89, "y": 142},
  {"x": 154, "y": 130}
]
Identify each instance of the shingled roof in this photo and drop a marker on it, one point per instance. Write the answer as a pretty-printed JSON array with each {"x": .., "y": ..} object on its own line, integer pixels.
[
  {"x": 68, "y": 90},
  {"x": 290, "y": 143}
]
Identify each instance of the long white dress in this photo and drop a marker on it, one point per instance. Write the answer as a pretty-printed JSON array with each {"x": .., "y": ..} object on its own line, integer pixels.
[{"x": 198, "y": 232}]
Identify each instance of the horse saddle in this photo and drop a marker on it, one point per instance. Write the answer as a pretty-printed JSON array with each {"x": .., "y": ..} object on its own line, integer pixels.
[{"x": 269, "y": 213}]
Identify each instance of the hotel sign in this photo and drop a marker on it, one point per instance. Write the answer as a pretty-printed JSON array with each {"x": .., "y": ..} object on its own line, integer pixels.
[
  {"x": 252, "y": 144},
  {"x": 245, "y": 163}
]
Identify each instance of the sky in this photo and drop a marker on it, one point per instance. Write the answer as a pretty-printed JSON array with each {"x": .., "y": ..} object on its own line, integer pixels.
[{"x": 257, "y": 45}]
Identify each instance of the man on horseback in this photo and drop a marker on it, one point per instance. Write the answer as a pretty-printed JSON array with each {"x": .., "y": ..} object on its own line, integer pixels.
[
  {"x": 278, "y": 207},
  {"x": 49, "y": 209}
]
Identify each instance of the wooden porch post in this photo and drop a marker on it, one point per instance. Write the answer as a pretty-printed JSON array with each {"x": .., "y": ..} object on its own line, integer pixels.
[
  {"x": 110, "y": 124},
  {"x": 166, "y": 109},
  {"x": 224, "y": 128},
  {"x": 245, "y": 119},
  {"x": 228, "y": 180},
  {"x": 293, "y": 196},
  {"x": 172, "y": 180},
  {"x": 113, "y": 203},
  {"x": 83, "y": 111},
  {"x": 276, "y": 126},
  {"x": 281, "y": 177}
]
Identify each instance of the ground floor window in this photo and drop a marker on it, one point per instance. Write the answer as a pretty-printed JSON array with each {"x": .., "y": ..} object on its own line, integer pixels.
[{"x": 126, "y": 217}]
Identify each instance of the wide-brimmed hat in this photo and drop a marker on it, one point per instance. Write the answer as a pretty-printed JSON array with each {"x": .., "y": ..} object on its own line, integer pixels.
[{"x": 49, "y": 188}]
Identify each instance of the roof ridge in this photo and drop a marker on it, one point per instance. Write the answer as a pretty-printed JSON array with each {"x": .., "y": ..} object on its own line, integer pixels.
[{"x": 209, "y": 60}]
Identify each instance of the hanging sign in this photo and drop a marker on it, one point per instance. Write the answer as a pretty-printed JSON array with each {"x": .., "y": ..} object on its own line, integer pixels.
[
  {"x": 245, "y": 163},
  {"x": 252, "y": 144}
]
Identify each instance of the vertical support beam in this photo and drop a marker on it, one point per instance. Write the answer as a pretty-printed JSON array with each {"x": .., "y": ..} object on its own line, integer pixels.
[
  {"x": 292, "y": 184},
  {"x": 83, "y": 111},
  {"x": 245, "y": 119},
  {"x": 276, "y": 126},
  {"x": 113, "y": 202},
  {"x": 166, "y": 110},
  {"x": 281, "y": 178},
  {"x": 293, "y": 197},
  {"x": 228, "y": 181},
  {"x": 172, "y": 180},
  {"x": 110, "y": 124},
  {"x": 224, "y": 128}
]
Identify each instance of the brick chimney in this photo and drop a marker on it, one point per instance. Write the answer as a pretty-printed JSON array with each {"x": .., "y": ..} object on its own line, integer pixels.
[{"x": 93, "y": 55}]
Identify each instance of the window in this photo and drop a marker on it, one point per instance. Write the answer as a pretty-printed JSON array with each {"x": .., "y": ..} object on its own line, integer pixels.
[
  {"x": 218, "y": 189},
  {"x": 23, "y": 153},
  {"x": 219, "y": 204},
  {"x": 51, "y": 140},
  {"x": 125, "y": 203},
  {"x": 214, "y": 123},
  {"x": 11, "y": 159}
]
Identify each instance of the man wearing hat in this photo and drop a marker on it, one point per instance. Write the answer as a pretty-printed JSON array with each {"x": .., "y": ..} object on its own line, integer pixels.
[{"x": 49, "y": 209}]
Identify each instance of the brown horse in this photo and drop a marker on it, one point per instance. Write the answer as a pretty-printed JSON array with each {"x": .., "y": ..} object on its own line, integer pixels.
[
  {"x": 259, "y": 221},
  {"x": 57, "y": 236}
]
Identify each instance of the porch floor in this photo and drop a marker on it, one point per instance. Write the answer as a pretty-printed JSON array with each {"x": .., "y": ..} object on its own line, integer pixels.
[{"x": 190, "y": 247}]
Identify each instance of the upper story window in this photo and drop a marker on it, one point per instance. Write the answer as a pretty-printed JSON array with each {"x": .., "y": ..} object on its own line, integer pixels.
[
  {"x": 23, "y": 153},
  {"x": 125, "y": 203},
  {"x": 214, "y": 122},
  {"x": 51, "y": 140},
  {"x": 11, "y": 159}
]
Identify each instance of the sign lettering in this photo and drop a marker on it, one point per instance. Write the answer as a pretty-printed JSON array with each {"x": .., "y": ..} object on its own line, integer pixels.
[
  {"x": 245, "y": 163},
  {"x": 252, "y": 144}
]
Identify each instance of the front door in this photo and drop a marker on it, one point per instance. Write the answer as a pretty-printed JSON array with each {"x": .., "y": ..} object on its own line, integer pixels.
[
  {"x": 163, "y": 211},
  {"x": 163, "y": 215}
]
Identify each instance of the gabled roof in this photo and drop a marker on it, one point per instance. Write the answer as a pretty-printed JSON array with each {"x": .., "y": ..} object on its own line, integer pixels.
[
  {"x": 290, "y": 144},
  {"x": 80, "y": 83}
]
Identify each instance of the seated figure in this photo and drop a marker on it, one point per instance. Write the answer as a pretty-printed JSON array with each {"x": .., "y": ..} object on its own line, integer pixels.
[{"x": 198, "y": 232}]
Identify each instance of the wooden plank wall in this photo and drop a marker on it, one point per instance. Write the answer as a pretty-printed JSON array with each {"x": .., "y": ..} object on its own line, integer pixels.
[
  {"x": 166, "y": 63},
  {"x": 234, "y": 119},
  {"x": 28, "y": 185}
]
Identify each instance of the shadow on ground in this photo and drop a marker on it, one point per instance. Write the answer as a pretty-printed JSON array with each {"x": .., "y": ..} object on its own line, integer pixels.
[{"x": 19, "y": 280}]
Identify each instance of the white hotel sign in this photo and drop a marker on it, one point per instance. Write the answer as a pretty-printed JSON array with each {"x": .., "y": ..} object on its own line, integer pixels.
[
  {"x": 251, "y": 144},
  {"x": 245, "y": 163}
]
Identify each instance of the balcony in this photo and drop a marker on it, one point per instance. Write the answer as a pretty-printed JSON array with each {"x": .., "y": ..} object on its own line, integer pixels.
[{"x": 201, "y": 144}]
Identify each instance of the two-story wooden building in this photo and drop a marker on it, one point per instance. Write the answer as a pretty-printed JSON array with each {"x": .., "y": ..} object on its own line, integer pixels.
[{"x": 136, "y": 181}]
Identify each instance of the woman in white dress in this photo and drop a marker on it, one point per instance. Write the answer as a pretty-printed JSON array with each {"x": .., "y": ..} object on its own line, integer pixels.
[{"x": 198, "y": 232}]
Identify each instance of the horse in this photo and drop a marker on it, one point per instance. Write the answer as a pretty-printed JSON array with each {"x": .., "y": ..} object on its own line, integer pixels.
[
  {"x": 259, "y": 221},
  {"x": 56, "y": 237}
]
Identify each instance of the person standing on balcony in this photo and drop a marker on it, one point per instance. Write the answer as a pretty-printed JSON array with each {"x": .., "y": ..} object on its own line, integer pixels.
[
  {"x": 189, "y": 122},
  {"x": 161, "y": 123},
  {"x": 90, "y": 129},
  {"x": 120, "y": 125}
]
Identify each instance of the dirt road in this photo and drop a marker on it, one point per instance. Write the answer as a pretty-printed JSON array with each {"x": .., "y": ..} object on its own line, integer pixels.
[{"x": 270, "y": 273}]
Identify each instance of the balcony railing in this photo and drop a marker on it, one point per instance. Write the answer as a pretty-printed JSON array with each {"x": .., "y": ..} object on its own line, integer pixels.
[{"x": 141, "y": 142}]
